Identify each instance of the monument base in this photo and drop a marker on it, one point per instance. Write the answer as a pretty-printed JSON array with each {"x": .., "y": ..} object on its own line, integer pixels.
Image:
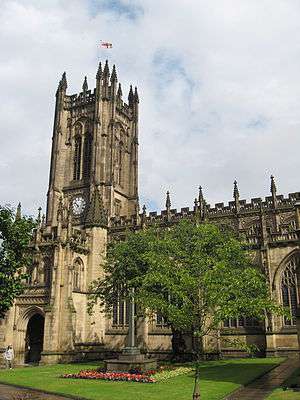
[{"x": 131, "y": 358}]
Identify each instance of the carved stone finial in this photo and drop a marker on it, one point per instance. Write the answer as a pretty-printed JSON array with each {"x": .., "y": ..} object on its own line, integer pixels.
[
  {"x": 136, "y": 96},
  {"x": 273, "y": 188},
  {"x": 85, "y": 84},
  {"x": 18, "y": 212},
  {"x": 99, "y": 72},
  {"x": 168, "y": 201},
  {"x": 202, "y": 204},
  {"x": 130, "y": 96},
  {"x": 63, "y": 83},
  {"x": 236, "y": 196},
  {"x": 200, "y": 197},
  {"x": 106, "y": 70},
  {"x": 39, "y": 215},
  {"x": 119, "y": 92},
  {"x": 113, "y": 77},
  {"x": 144, "y": 209},
  {"x": 236, "y": 193}
]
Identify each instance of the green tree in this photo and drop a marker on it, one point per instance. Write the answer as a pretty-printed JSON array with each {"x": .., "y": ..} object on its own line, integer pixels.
[
  {"x": 15, "y": 257},
  {"x": 195, "y": 275}
]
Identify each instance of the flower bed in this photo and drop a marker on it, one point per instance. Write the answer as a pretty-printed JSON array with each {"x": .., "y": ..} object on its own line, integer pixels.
[
  {"x": 111, "y": 376},
  {"x": 162, "y": 374},
  {"x": 171, "y": 373}
]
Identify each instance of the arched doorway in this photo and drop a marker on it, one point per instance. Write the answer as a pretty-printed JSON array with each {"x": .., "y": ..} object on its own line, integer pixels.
[{"x": 34, "y": 339}]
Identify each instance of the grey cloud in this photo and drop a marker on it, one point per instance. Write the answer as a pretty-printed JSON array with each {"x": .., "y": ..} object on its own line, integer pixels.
[{"x": 218, "y": 82}]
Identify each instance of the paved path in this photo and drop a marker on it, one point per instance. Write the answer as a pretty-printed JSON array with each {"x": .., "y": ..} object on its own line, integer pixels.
[
  {"x": 8, "y": 392},
  {"x": 262, "y": 387}
]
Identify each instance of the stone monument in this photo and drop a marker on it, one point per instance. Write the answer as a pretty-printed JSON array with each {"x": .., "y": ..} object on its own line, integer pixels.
[{"x": 131, "y": 357}]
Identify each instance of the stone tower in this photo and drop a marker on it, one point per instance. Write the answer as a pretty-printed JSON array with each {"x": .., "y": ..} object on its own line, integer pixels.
[{"x": 95, "y": 147}]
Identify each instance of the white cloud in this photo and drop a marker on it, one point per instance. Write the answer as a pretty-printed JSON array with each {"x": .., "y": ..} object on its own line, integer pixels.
[{"x": 218, "y": 82}]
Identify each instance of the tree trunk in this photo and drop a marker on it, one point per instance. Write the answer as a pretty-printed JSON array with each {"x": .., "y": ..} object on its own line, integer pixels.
[
  {"x": 178, "y": 345},
  {"x": 196, "y": 393}
]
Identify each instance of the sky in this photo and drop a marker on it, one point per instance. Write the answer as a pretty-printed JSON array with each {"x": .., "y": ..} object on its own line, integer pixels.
[{"x": 218, "y": 83}]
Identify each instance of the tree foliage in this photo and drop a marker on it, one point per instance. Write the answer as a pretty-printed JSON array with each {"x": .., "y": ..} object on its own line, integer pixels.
[
  {"x": 196, "y": 276},
  {"x": 15, "y": 257}
]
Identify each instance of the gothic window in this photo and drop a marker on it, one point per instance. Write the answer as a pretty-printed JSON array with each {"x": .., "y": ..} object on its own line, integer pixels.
[
  {"x": 78, "y": 271},
  {"x": 118, "y": 163},
  {"x": 240, "y": 322},
  {"x": 289, "y": 291},
  {"x": 87, "y": 154},
  {"x": 120, "y": 315},
  {"x": 77, "y": 158},
  {"x": 120, "y": 166}
]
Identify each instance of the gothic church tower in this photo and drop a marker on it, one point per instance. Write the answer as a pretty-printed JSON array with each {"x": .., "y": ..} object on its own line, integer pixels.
[{"x": 95, "y": 147}]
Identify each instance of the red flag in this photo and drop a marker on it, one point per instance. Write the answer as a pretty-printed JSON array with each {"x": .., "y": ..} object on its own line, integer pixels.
[{"x": 107, "y": 45}]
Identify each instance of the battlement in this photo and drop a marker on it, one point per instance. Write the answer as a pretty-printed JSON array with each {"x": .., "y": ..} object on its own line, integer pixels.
[
  {"x": 79, "y": 100},
  {"x": 219, "y": 210},
  {"x": 106, "y": 89},
  {"x": 239, "y": 213}
]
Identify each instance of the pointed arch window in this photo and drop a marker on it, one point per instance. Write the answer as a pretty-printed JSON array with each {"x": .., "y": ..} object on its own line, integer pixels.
[
  {"x": 120, "y": 166},
  {"x": 87, "y": 155},
  {"x": 78, "y": 272},
  {"x": 120, "y": 313},
  {"x": 77, "y": 158},
  {"x": 289, "y": 290}
]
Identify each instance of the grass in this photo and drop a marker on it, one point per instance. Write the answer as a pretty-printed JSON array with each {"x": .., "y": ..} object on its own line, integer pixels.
[
  {"x": 290, "y": 394},
  {"x": 217, "y": 378}
]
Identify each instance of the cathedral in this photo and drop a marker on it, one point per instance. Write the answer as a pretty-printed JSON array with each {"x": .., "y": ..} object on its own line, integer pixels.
[{"x": 93, "y": 198}]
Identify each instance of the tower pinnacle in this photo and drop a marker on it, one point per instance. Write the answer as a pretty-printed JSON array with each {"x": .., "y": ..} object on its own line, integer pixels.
[
  {"x": 99, "y": 71},
  {"x": 130, "y": 96},
  {"x": 85, "y": 84},
  {"x": 168, "y": 201},
  {"x": 18, "y": 212},
  {"x": 114, "y": 77}
]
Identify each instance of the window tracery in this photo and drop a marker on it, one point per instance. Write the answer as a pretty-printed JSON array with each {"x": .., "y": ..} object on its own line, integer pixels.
[
  {"x": 289, "y": 290},
  {"x": 120, "y": 313},
  {"x": 240, "y": 322},
  {"x": 87, "y": 155},
  {"x": 82, "y": 152},
  {"x": 77, "y": 158}
]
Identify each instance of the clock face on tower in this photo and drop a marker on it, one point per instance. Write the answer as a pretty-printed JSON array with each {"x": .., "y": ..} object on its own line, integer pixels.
[{"x": 78, "y": 205}]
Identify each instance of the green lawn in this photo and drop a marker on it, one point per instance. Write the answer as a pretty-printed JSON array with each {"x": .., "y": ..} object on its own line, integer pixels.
[
  {"x": 218, "y": 378},
  {"x": 280, "y": 394}
]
